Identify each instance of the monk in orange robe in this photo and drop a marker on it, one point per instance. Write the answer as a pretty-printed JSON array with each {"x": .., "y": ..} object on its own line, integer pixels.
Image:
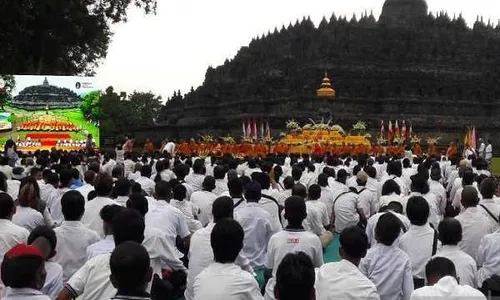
[{"x": 184, "y": 148}]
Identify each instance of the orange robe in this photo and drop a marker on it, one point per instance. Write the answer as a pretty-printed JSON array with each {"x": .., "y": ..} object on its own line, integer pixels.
[{"x": 417, "y": 150}]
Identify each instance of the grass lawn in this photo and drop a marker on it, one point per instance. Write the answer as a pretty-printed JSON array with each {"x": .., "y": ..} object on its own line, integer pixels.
[{"x": 495, "y": 168}]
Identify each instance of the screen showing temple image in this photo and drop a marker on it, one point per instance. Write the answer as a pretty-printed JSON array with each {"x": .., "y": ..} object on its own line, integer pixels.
[{"x": 45, "y": 112}]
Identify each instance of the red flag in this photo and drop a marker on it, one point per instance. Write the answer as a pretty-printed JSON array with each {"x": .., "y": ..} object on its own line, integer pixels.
[
  {"x": 396, "y": 133},
  {"x": 389, "y": 133},
  {"x": 254, "y": 130},
  {"x": 473, "y": 141},
  {"x": 382, "y": 129},
  {"x": 249, "y": 129},
  {"x": 403, "y": 130},
  {"x": 244, "y": 129}
]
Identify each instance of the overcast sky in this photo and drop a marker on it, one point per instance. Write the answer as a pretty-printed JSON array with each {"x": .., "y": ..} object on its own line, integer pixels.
[{"x": 172, "y": 50}]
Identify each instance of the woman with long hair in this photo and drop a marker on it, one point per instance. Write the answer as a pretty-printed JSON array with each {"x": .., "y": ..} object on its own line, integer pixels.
[{"x": 27, "y": 215}]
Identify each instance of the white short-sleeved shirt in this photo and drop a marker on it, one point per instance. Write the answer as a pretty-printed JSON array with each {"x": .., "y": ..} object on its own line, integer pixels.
[
  {"x": 54, "y": 204},
  {"x": 147, "y": 185},
  {"x": 107, "y": 245},
  {"x": 417, "y": 243},
  {"x": 343, "y": 280},
  {"x": 373, "y": 221},
  {"x": 488, "y": 258},
  {"x": 389, "y": 268},
  {"x": 54, "y": 280},
  {"x": 92, "y": 218},
  {"x": 272, "y": 208},
  {"x": 326, "y": 198},
  {"x": 169, "y": 220},
  {"x": 204, "y": 200},
  {"x": 85, "y": 190},
  {"x": 475, "y": 225},
  {"x": 25, "y": 294},
  {"x": 256, "y": 224},
  {"x": 465, "y": 265},
  {"x": 195, "y": 181},
  {"x": 447, "y": 288},
  {"x": 190, "y": 211},
  {"x": 317, "y": 217},
  {"x": 13, "y": 188},
  {"x": 346, "y": 211},
  {"x": 11, "y": 235},
  {"x": 291, "y": 241},
  {"x": 28, "y": 218},
  {"x": 231, "y": 282},
  {"x": 73, "y": 238},
  {"x": 220, "y": 187}
]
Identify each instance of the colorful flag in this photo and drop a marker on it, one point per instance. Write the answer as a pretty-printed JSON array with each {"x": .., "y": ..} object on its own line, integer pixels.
[
  {"x": 261, "y": 129},
  {"x": 382, "y": 129},
  {"x": 403, "y": 131},
  {"x": 389, "y": 132},
  {"x": 244, "y": 128},
  {"x": 473, "y": 138},
  {"x": 254, "y": 130},
  {"x": 396, "y": 131},
  {"x": 268, "y": 130},
  {"x": 249, "y": 129}
]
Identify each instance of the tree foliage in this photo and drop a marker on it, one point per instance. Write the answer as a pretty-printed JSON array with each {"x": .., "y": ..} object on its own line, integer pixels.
[
  {"x": 59, "y": 37},
  {"x": 6, "y": 91},
  {"x": 90, "y": 105}
]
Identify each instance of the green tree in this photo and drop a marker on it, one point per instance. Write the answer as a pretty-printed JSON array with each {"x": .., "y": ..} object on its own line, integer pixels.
[
  {"x": 59, "y": 37},
  {"x": 90, "y": 105},
  {"x": 147, "y": 106},
  {"x": 6, "y": 91}
]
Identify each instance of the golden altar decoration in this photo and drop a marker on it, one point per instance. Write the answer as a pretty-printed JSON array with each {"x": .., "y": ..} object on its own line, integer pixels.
[{"x": 326, "y": 90}]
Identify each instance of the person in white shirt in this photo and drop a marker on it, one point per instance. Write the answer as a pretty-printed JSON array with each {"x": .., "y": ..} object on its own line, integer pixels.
[
  {"x": 44, "y": 238},
  {"x": 203, "y": 199},
  {"x": 420, "y": 187},
  {"x": 487, "y": 257},
  {"x": 343, "y": 280},
  {"x": 108, "y": 163},
  {"x": 450, "y": 234},
  {"x": 73, "y": 237},
  {"x": 367, "y": 199},
  {"x": 475, "y": 225},
  {"x": 467, "y": 180},
  {"x": 136, "y": 174},
  {"x": 231, "y": 282},
  {"x": 318, "y": 220},
  {"x": 50, "y": 184},
  {"x": 487, "y": 204},
  {"x": 23, "y": 272},
  {"x": 220, "y": 181},
  {"x": 163, "y": 172},
  {"x": 5, "y": 168},
  {"x": 88, "y": 186},
  {"x": 443, "y": 283},
  {"x": 54, "y": 199},
  {"x": 165, "y": 217},
  {"x": 393, "y": 207},
  {"x": 26, "y": 216},
  {"x": 268, "y": 200},
  {"x": 346, "y": 211},
  {"x": 121, "y": 191},
  {"x": 293, "y": 239},
  {"x": 129, "y": 164},
  {"x": 385, "y": 264},
  {"x": 482, "y": 149},
  {"x": 256, "y": 223},
  {"x": 252, "y": 167},
  {"x": 407, "y": 171},
  {"x": 391, "y": 192},
  {"x": 394, "y": 170},
  {"x": 489, "y": 153},
  {"x": 188, "y": 208},
  {"x": 107, "y": 244},
  {"x": 351, "y": 181},
  {"x": 195, "y": 179},
  {"x": 235, "y": 186},
  {"x": 436, "y": 188},
  {"x": 169, "y": 148},
  {"x": 146, "y": 183},
  {"x": 200, "y": 252},
  {"x": 295, "y": 278},
  {"x": 326, "y": 194},
  {"x": 421, "y": 241}
]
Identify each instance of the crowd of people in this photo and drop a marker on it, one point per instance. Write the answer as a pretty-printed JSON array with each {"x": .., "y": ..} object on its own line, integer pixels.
[{"x": 156, "y": 225}]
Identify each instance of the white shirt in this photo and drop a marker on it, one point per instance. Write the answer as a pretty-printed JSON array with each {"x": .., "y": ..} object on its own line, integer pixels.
[
  {"x": 201, "y": 256},
  {"x": 73, "y": 238},
  {"x": 417, "y": 243},
  {"x": 13, "y": 188},
  {"x": 489, "y": 152},
  {"x": 373, "y": 221},
  {"x": 434, "y": 211},
  {"x": 108, "y": 167},
  {"x": 220, "y": 187},
  {"x": 326, "y": 198},
  {"x": 291, "y": 241},
  {"x": 170, "y": 148},
  {"x": 195, "y": 181},
  {"x": 487, "y": 257},
  {"x": 54, "y": 204},
  {"x": 190, "y": 211},
  {"x": 54, "y": 280},
  {"x": 11, "y": 235},
  {"x": 7, "y": 171},
  {"x": 169, "y": 220},
  {"x": 231, "y": 282},
  {"x": 271, "y": 207},
  {"x": 85, "y": 190},
  {"x": 147, "y": 185},
  {"x": 439, "y": 191},
  {"x": 288, "y": 193},
  {"x": 389, "y": 268},
  {"x": 204, "y": 200},
  {"x": 91, "y": 218},
  {"x": 465, "y": 265},
  {"x": 129, "y": 166},
  {"x": 492, "y": 207},
  {"x": 122, "y": 200},
  {"x": 107, "y": 245},
  {"x": 343, "y": 280},
  {"x": 165, "y": 175},
  {"x": 256, "y": 223},
  {"x": 28, "y": 218},
  {"x": 447, "y": 288},
  {"x": 475, "y": 226},
  {"x": 25, "y": 294},
  {"x": 346, "y": 211},
  {"x": 317, "y": 217},
  {"x": 367, "y": 200}
]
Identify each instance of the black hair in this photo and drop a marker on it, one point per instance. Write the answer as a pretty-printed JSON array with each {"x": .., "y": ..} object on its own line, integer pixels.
[
  {"x": 417, "y": 210},
  {"x": 314, "y": 192},
  {"x": 20, "y": 272},
  {"x": 323, "y": 180},
  {"x": 7, "y": 206},
  {"x": 34, "y": 170},
  {"x": 469, "y": 197},
  {"x": 371, "y": 171},
  {"x": 439, "y": 267},
  {"x": 163, "y": 190},
  {"x": 288, "y": 183},
  {"x": 52, "y": 179},
  {"x": 122, "y": 187},
  {"x": 75, "y": 174},
  {"x": 356, "y": 170},
  {"x": 208, "y": 183},
  {"x": 199, "y": 167},
  {"x": 299, "y": 190},
  {"x": 488, "y": 188},
  {"x": 296, "y": 173},
  {"x": 354, "y": 242},
  {"x": 295, "y": 210},
  {"x": 89, "y": 177},
  {"x": 450, "y": 231},
  {"x": 65, "y": 177},
  {"x": 387, "y": 229},
  {"x": 235, "y": 187},
  {"x": 118, "y": 172},
  {"x": 138, "y": 202},
  {"x": 179, "y": 192},
  {"x": 129, "y": 264},
  {"x": 146, "y": 171},
  {"x": 226, "y": 240},
  {"x": 45, "y": 232},
  {"x": 103, "y": 184},
  {"x": 295, "y": 277},
  {"x": 128, "y": 225},
  {"x": 219, "y": 172},
  {"x": 263, "y": 179},
  {"x": 73, "y": 205},
  {"x": 419, "y": 183},
  {"x": 222, "y": 208},
  {"x": 468, "y": 178},
  {"x": 389, "y": 187},
  {"x": 109, "y": 212}
]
